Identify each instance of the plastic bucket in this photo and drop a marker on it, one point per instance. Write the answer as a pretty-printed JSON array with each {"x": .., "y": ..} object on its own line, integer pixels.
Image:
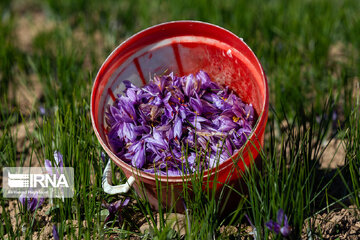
[{"x": 183, "y": 47}]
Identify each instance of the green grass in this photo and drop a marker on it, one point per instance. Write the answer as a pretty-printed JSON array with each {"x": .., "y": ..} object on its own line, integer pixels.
[{"x": 295, "y": 42}]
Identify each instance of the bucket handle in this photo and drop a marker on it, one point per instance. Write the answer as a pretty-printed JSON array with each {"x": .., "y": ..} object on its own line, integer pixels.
[{"x": 106, "y": 182}]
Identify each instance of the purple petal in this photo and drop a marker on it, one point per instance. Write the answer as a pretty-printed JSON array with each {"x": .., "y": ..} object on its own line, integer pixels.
[
  {"x": 196, "y": 104},
  {"x": 115, "y": 206},
  {"x": 58, "y": 159},
  {"x": 164, "y": 127},
  {"x": 270, "y": 225},
  {"x": 280, "y": 216},
  {"x": 48, "y": 167},
  {"x": 189, "y": 85},
  {"x": 191, "y": 159},
  {"x": 286, "y": 223},
  {"x": 139, "y": 158},
  {"x": 153, "y": 147},
  {"x": 178, "y": 127},
  {"x": 125, "y": 202},
  {"x": 274, "y": 226},
  {"x": 170, "y": 133},
  {"x": 249, "y": 110},
  {"x": 131, "y": 93},
  {"x": 22, "y": 199},
  {"x": 128, "y": 131},
  {"x": 128, "y": 84},
  {"x": 228, "y": 147},
  {"x": 225, "y": 124},
  {"x": 157, "y": 140},
  {"x": 127, "y": 109},
  {"x": 251, "y": 224},
  {"x": 285, "y": 231},
  {"x": 42, "y": 110},
  {"x": 206, "y": 82},
  {"x": 219, "y": 102},
  {"x": 202, "y": 141},
  {"x": 152, "y": 89},
  {"x": 41, "y": 201},
  {"x": 190, "y": 140},
  {"x": 55, "y": 233},
  {"x": 117, "y": 115},
  {"x": 33, "y": 202},
  {"x": 174, "y": 172},
  {"x": 182, "y": 112}
]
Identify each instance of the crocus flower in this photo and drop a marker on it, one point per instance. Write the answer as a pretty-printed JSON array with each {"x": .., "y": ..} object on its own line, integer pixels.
[
  {"x": 55, "y": 233},
  {"x": 59, "y": 165},
  {"x": 115, "y": 209},
  {"x": 281, "y": 225},
  {"x": 31, "y": 201},
  {"x": 42, "y": 111},
  {"x": 253, "y": 232},
  {"x": 148, "y": 127}
]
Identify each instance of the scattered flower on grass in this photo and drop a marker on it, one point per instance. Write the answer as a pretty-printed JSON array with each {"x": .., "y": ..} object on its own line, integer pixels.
[
  {"x": 253, "y": 232},
  {"x": 58, "y": 168},
  {"x": 31, "y": 201},
  {"x": 281, "y": 225},
  {"x": 115, "y": 209},
  {"x": 55, "y": 233},
  {"x": 59, "y": 165},
  {"x": 42, "y": 111},
  {"x": 149, "y": 127}
]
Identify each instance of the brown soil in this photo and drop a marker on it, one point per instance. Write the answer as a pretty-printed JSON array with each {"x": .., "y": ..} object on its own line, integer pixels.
[
  {"x": 42, "y": 223},
  {"x": 176, "y": 220},
  {"x": 29, "y": 26},
  {"x": 25, "y": 90},
  {"x": 334, "y": 155},
  {"x": 337, "y": 224}
]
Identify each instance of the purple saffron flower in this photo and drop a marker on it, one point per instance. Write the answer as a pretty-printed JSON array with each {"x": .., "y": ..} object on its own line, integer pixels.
[
  {"x": 55, "y": 232},
  {"x": 178, "y": 127},
  {"x": 273, "y": 226},
  {"x": 59, "y": 165},
  {"x": 189, "y": 85},
  {"x": 225, "y": 123},
  {"x": 281, "y": 225},
  {"x": 115, "y": 209},
  {"x": 205, "y": 80},
  {"x": 131, "y": 93},
  {"x": 139, "y": 157},
  {"x": 42, "y": 111},
  {"x": 196, "y": 104},
  {"x": 253, "y": 232},
  {"x": 31, "y": 201}
]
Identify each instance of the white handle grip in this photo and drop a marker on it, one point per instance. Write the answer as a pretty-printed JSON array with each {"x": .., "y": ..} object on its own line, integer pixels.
[{"x": 106, "y": 180}]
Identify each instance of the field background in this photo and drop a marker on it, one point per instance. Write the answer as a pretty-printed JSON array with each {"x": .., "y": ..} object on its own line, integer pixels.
[{"x": 50, "y": 52}]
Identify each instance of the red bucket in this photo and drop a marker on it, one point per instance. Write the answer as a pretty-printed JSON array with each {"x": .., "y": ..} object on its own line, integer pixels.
[{"x": 183, "y": 47}]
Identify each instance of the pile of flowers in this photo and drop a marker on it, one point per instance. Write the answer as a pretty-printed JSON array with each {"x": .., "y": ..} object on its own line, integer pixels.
[{"x": 177, "y": 125}]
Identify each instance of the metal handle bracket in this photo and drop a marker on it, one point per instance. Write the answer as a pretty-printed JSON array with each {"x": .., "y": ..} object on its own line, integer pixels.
[{"x": 106, "y": 182}]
